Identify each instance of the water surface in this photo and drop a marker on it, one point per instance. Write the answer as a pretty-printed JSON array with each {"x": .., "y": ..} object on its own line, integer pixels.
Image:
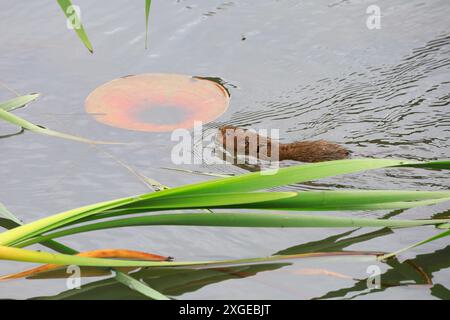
[{"x": 309, "y": 68}]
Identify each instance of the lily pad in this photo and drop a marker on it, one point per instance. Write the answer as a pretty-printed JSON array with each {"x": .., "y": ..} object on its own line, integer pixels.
[{"x": 157, "y": 102}]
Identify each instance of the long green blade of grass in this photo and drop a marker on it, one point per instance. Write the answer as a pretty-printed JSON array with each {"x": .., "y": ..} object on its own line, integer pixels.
[
  {"x": 211, "y": 174},
  {"x": 48, "y": 223},
  {"x": 14, "y": 222},
  {"x": 18, "y": 102},
  {"x": 147, "y": 13},
  {"x": 66, "y": 6},
  {"x": 296, "y": 174},
  {"x": 17, "y": 254},
  {"x": 253, "y": 220},
  {"x": 119, "y": 275},
  {"x": 297, "y": 201},
  {"x": 138, "y": 286},
  {"x": 435, "y": 237},
  {"x": 244, "y": 183},
  {"x": 6, "y": 214},
  {"x": 209, "y": 200},
  {"x": 343, "y": 207},
  {"x": 303, "y": 200}
]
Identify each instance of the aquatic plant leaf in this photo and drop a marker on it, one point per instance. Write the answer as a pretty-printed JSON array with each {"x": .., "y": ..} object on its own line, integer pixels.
[
  {"x": 435, "y": 237},
  {"x": 296, "y": 174},
  {"x": 441, "y": 292},
  {"x": 253, "y": 220},
  {"x": 297, "y": 201},
  {"x": 79, "y": 213},
  {"x": 61, "y": 248},
  {"x": 206, "y": 201},
  {"x": 280, "y": 201},
  {"x": 147, "y": 13},
  {"x": 336, "y": 242},
  {"x": 8, "y": 223},
  {"x": 6, "y": 214},
  {"x": 71, "y": 14},
  {"x": 55, "y": 259},
  {"x": 155, "y": 185},
  {"x": 212, "y": 174},
  {"x": 139, "y": 286},
  {"x": 9, "y": 117},
  {"x": 303, "y": 200},
  {"x": 121, "y": 276},
  {"x": 48, "y": 223},
  {"x": 244, "y": 183},
  {"x": 18, "y": 254},
  {"x": 181, "y": 280},
  {"x": 18, "y": 102},
  {"x": 103, "y": 253},
  {"x": 310, "y": 201},
  {"x": 438, "y": 164}
]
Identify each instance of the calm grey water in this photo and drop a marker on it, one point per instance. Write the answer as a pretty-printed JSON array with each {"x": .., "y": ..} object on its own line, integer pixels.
[{"x": 309, "y": 68}]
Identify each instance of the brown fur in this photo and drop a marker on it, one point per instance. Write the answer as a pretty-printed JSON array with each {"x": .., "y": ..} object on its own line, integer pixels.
[{"x": 304, "y": 151}]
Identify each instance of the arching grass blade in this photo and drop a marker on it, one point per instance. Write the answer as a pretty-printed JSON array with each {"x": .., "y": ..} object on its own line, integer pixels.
[{"x": 71, "y": 14}]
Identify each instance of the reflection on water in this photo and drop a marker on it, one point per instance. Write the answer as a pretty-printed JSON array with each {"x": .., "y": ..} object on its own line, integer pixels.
[
  {"x": 417, "y": 272},
  {"x": 4, "y": 136},
  {"x": 176, "y": 282},
  {"x": 309, "y": 68}
]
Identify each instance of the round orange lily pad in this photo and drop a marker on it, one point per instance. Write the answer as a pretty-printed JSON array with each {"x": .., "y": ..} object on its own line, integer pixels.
[{"x": 157, "y": 102}]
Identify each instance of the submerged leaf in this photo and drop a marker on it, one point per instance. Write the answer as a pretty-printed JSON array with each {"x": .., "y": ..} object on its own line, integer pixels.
[{"x": 18, "y": 102}]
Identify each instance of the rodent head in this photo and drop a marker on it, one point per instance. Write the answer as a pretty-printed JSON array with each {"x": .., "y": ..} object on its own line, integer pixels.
[{"x": 240, "y": 141}]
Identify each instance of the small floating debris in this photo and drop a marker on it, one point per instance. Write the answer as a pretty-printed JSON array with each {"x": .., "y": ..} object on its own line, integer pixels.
[{"x": 157, "y": 102}]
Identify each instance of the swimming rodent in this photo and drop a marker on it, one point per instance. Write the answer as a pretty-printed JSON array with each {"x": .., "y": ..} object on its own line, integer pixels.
[{"x": 304, "y": 151}]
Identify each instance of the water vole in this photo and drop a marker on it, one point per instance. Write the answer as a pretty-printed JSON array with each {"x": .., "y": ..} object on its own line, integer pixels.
[{"x": 304, "y": 151}]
